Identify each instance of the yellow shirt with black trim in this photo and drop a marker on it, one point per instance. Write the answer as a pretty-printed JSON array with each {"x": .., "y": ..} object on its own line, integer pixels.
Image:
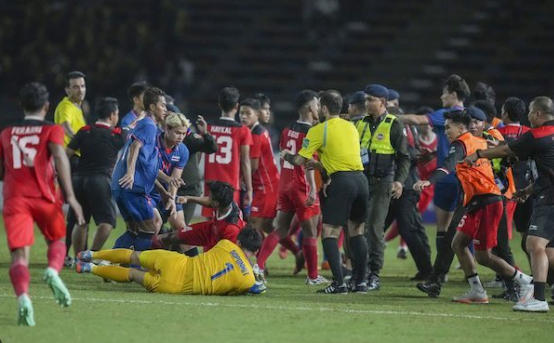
[
  {"x": 223, "y": 270},
  {"x": 66, "y": 111},
  {"x": 337, "y": 144}
]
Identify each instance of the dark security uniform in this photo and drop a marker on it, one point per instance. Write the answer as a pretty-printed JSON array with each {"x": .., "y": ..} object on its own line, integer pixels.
[
  {"x": 384, "y": 152},
  {"x": 191, "y": 174},
  {"x": 404, "y": 211}
]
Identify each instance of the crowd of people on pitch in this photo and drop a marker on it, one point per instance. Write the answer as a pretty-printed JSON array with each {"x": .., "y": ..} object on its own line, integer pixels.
[{"x": 347, "y": 172}]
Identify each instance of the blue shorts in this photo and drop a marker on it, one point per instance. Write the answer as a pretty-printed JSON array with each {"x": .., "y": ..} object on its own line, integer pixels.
[
  {"x": 134, "y": 207},
  {"x": 157, "y": 199},
  {"x": 447, "y": 195}
]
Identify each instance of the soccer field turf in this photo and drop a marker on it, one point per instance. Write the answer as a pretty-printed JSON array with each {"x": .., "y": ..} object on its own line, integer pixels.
[{"x": 290, "y": 311}]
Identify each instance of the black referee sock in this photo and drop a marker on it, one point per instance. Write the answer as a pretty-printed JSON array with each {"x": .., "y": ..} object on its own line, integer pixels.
[
  {"x": 358, "y": 244},
  {"x": 331, "y": 250},
  {"x": 539, "y": 290}
]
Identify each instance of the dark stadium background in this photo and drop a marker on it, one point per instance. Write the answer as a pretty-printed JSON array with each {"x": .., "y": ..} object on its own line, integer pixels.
[{"x": 193, "y": 48}]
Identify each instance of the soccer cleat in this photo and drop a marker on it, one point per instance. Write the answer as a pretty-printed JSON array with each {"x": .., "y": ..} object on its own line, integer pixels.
[
  {"x": 53, "y": 280},
  {"x": 85, "y": 256},
  {"x": 259, "y": 274},
  {"x": 334, "y": 288},
  {"x": 472, "y": 297},
  {"x": 83, "y": 267},
  {"x": 526, "y": 293},
  {"x": 402, "y": 253},
  {"x": 69, "y": 262},
  {"x": 26, "y": 313},
  {"x": 319, "y": 280},
  {"x": 359, "y": 288},
  {"x": 531, "y": 305},
  {"x": 300, "y": 262},
  {"x": 431, "y": 287},
  {"x": 496, "y": 283},
  {"x": 258, "y": 288},
  {"x": 373, "y": 283},
  {"x": 508, "y": 295}
]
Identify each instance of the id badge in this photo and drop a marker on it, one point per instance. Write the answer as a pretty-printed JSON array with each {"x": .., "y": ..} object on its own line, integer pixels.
[
  {"x": 499, "y": 183},
  {"x": 365, "y": 156}
]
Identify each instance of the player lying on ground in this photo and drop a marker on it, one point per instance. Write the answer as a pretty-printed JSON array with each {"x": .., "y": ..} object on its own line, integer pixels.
[{"x": 224, "y": 270}]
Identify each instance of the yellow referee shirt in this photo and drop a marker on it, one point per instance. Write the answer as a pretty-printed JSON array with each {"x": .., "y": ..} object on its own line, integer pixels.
[
  {"x": 66, "y": 111},
  {"x": 337, "y": 144}
]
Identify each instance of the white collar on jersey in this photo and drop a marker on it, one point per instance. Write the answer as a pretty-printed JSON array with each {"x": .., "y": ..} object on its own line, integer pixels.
[
  {"x": 227, "y": 118},
  {"x": 31, "y": 117},
  {"x": 303, "y": 122},
  {"x": 102, "y": 123},
  {"x": 512, "y": 124},
  {"x": 226, "y": 213}
]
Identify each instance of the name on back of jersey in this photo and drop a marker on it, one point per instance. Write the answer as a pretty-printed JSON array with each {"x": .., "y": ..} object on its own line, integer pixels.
[
  {"x": 26, "y": 130},
  {"x": 221, "y": 129},
  {"x": 293, "y": 134}
]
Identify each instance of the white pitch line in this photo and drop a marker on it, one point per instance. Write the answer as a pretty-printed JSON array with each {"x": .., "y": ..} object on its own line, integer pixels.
[{"x": 532, "y": 316}]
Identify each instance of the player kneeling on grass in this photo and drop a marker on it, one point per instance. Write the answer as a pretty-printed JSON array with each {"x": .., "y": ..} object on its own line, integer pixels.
[{"x": 224, "y": 270}]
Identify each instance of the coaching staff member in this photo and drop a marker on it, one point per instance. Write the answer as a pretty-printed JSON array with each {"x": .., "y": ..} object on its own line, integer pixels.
[
  {"x": 99, "y": 145},
  {"x": 337, "y": 144}
]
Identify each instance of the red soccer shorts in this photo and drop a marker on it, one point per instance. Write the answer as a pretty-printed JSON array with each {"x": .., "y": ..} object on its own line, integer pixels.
[
  {"x": 482, "y": 225},
  {"x": 264, "y": 205},
  {"x": 294, "y": 200},
  {"x": 21, "y": 213}
]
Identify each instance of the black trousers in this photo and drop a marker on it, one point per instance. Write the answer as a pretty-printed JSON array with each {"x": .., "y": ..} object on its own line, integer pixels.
[
  {"x": 410, "y": 227},
  {"x": 502, "y": 248}
]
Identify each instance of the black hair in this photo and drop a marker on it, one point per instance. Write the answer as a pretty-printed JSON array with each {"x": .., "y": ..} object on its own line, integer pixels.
[
  {"x": 515, "y": 108},
  {"x": 252, "y": 103},
  {"x": 228, "y": 98},
  {"x": 455, "y": 83},
  {"x": 105, "y": 107},
  {"x": 485, "y": 92},
  {"x": 344, "y": 108},
  {"x": 262, "y": 98},
  {"x": 543, "y": 104},
  {"x": 488, "y": 108},
  {"x": 137, "y": 89},
  {"x": 461, "y": 117},
  {"x": 222, "y": 192},
  {"x": 73, "y": 75},
  {"x": 332, "y": 99},
  {"x": 152, "y": 96},
  {"x": 250, "y": 239},
  {"x": 423, "y": 110},
  {"x": 33, "y": 96},
  {"x": 303, "y": 97}
]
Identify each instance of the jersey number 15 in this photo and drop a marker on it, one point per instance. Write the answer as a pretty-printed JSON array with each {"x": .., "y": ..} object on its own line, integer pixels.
[{"x": 22, "y": 150}]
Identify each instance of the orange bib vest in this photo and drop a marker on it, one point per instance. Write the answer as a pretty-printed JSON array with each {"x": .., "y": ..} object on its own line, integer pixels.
[{"x": 479, "y": 178}]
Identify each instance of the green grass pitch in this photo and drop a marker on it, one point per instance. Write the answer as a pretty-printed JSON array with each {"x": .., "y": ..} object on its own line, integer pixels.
[{"x": 289, "y": 312}]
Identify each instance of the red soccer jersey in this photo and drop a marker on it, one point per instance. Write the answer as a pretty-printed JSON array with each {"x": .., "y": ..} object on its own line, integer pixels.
[
  {"x": 511, "y": 132},
  {"x": 293, "y": 177},
  {"x": 266, "y": 178},
  {"x": 221, "y": 226},
  {"x": 28, "y": 167},
  {"x": 427, "y": 162},
  {"x": 224, "y": 165}
]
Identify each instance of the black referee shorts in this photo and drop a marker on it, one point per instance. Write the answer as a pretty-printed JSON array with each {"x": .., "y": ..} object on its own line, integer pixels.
[
  {"x": 95, "y": 196},
  {"x": 347, "y": 198}
]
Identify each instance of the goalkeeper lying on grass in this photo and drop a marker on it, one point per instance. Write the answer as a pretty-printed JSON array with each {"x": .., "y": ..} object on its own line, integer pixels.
[{"x": 224, "y": 270}]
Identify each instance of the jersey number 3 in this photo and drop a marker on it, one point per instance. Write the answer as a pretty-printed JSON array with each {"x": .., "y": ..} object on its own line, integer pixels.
[
  {"x": 224, "y": 155},
  {"x": 22, "y": 150}
]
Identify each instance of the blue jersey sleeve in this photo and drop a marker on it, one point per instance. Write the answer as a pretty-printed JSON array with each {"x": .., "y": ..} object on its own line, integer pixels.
[
  {"x": 436, "y": 119},
  {"x": 145, "y": 132},
  {"x": 128, "y": 119},
  {"x": 184, "y": 156}
]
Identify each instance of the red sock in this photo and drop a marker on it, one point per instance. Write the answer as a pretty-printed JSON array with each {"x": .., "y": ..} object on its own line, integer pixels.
[
  {"x": 309, "y": 246},
  {"x": 19, "y": 274},
  {"x": 56, "y": 255},
  {"x": 392, "y": 233},
  {"x": 288, "y": 243},
  {"x": 268, "y": 245}
]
